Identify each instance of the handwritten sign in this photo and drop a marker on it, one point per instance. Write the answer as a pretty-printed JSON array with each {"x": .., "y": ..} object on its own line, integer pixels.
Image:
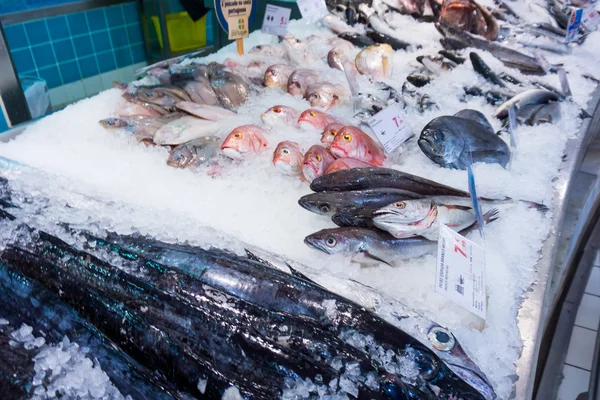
[
  {"x": 460, "y": 272},
  {"x": 391, "y": 127},
  {"x": 312, "y": 10},
  {"x": 276, "y": 20}
]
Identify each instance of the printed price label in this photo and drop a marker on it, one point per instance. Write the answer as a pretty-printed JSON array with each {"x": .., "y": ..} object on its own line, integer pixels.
[
  {"x": 590, "y": 18},
  {"x": 460, "y": 272},
  {"x": 276, "y": 20},
  {"x": 391, "y": 127},
  {"x": 573, "y": 27},
  {"x": 312, "y": 10}
]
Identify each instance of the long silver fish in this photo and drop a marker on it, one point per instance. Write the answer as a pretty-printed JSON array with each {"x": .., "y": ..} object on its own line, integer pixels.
[
  {"x": 184, "y": 129},
  {"x": 528, "y": 97}
]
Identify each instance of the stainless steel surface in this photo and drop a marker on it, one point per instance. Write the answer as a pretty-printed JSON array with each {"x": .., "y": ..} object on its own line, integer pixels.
[
  {"x": 45, "y": 12},
  {"x": 13, "y": 99},
  {"x": 533, "y": 313}
]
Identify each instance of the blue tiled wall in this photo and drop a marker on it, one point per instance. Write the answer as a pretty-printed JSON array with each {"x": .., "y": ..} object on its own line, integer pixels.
[
  {"x": 71, "y": 47},
  {"x": 3, "y": 124},
  {"x": 10, "y": 6}
]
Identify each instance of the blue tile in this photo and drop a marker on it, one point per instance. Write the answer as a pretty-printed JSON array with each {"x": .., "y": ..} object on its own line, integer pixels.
[
  {"x": 96, "y": 19},
  {"x": 37, "y": 32},
  {"x": 63, "y": 50},
  {"x": 135, "y": 33},
  {"x": 131, "y": 13},
  {"x": 43, "y": 55},
  {"x": 106, "y": 61},
  {"x": 51, "y": 76},
  {"x": 138, "y": 53},
  {"x": 123, "y": 57},
  {"x": 118, "y": 37},
  {"x": 77, "y": 24},
  {"x": 9, "y": 6},
  {"x": 23, "y": 60},
  {"x": 57, "y": 26},
  {"x": 101, "y": 41},
  {"x": 83, "y": 46},
  {"x": 15, "y": 36},
  {"x": 69, "y": 72},
  {"x": 3, "y": 124},
  {"x": 88, "y": 66},
  {"x": 114, "y": 15}
]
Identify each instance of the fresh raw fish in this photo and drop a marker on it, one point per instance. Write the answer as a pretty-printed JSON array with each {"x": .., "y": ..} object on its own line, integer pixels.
[
  {"x": 317, "y": 119},
  {"x": 232, "y": 91},
  {"x": 193, "y": 154},
  {"x": 484, "y": 70},
  {"x": 200, "y": 91},
  {"x": 471, "y": 17},
  {"x": 326, "y": 95},
  {"x": 278, "y": 75},
  {"x": 336, "y": 24},
  {"x": 396, "y": 44},
  {"x": 190, "y": 72},
  {"x": 316, "y": 161},
  {"x": 357, "y": 39},
  {"x": 346, "y": 163},
  {"x": 280, "y": 115},
  {"x": 329, "y": 133},
  {"x": 165, "y": 97},
  {"x": 244, "y": 140},
  {"x": 184, "y": 129},
  {"x": 204, "y": 111},
  {"x": 528, "y": 97},
  {"x": 268, "y": 51},
  {"x": 376, "y": 61},
  {"x": 288, "y": 158},
  {"x": 351, "y": 142},
  {"x": 136, "y": 106},
  {"x": 300, "y": 80},
  {"x": 142, "y": 126},
  {"x": 298, "y": 51},
  {"x": 337, "y": 57}
]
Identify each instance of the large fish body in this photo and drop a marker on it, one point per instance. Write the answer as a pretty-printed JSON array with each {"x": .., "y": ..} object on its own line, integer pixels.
[
  {"x": 351, "y": 142},
  {"x": 231, "y": 90},
  {"x": 346, "y": 163},
  {"x": 376, "y": 61},
  {"x": 205, "y": 111},
  {"x": 200, "y": 91},
  {"x": 194, "y": 153},
  {"x": 526, "y": 98},
  {"x": 455, "y": 142},
  {"x": 183, "y": 130},
  {"x": 142, "y": 126}
]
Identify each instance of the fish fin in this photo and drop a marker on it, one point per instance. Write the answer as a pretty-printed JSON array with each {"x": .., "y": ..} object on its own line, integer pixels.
[
  {"x": 300, "y": 275},
  {"x": 537, "y": 206},
  {"x": 458, "y": 207},
  {"x": 491, "y": 216},
  {"x": 256, "y": 258},
  {"x": 374, "y": 257}
]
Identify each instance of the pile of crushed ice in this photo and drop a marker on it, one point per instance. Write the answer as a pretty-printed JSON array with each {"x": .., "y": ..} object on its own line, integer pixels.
[{"x": 253, "y": 202}]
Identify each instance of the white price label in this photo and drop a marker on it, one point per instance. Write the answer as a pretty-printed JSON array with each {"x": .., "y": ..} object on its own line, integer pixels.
[
  {"x": 391, "y": 127},
  {"x": 276, "y": 20},
  {"x": 460, "y": 272},
  {"x": 590, "y": 18},
  {"x": 574, "y": 22},
  {"x": 312, "y": 10}
]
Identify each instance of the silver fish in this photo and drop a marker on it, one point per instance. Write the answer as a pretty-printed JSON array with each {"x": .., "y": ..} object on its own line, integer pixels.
[
  {"x": 326, "y": 95},
  {"x": 142, "y": 126},
  {"x": 204, "y": 111},
  {"x": 185, "y": 129},
  {"x": 200, "y": 91},
  {"x": 531, "y": 96},
  {"x": 300, "y": 80},
  {"x": 277, "y": 75},
  {"x": 232, "y": 91},
  {"x": 194, "y": 153}
]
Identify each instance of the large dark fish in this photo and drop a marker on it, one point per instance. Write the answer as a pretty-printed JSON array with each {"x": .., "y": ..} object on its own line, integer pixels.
[
  {"x": 455, "y": 142},
  {"x": 354, "y": 217},
  {"x": 484, "y": 70},
  {"x": 357, "y": 39},
  {"x": 396, "y": 44},
  {"x": 377, "y": 177},
  {"x": 476, "y": 116}
]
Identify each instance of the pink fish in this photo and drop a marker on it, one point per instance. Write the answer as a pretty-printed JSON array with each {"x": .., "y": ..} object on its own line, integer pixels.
[
  {"x": 287, "y": 158},
  {"x": 317, "y": 119},
  {"x": 316, "y": 161},
  {"x": 300, "y": 80},
  {"x": 351, "y": 142},
  {"x": 280, "y": 115},
  {"x": 346, "y": 163},
  {"x": 244, "y": 140},
  {"x": 330, "y": 132}
]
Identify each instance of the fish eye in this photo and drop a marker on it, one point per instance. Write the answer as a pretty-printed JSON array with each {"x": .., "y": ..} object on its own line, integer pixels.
[
  {"x": 347, "y": 138},
  {"x": 333, "y": 133},
  {"x": 331, "y": 241},
  {"x": 237, "y": 135},
  {"x": 312, "y": 114},
  {"x": 442, "y": 339},
  {"x": 400, "y": 204},
  {"x": 318, "y": 157},
  {"x": 277, "y": 110},
  {"x": 298, "y": 41},
  {"x": 272, "y": 72},
  {"x": 437, "y": 135},
  {"x": 324, "y": 208},
  {"x": 427, "y": 365},
  {"x": 285, "y": 151},
  {"x": 259, "y": 47}
]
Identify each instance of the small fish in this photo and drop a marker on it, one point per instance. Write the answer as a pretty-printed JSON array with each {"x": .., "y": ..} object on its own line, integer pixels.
[
  {"x": 142, "y": 126},
  {"x": 244, "y": 140},
  {"x": 316, "y": 161},
  {"x": 268, "y": 51},
  {"x": 346, "y": 163},
  {"x": 368, "y": 102},
  {"x": 300, "y": 80},
  {"x": 351, "y": 142},
  {"x": 337, "y": 57},
  {"x": 455, "y": 58},
  {"x": 357, "y": 39},
  {"x": 396, "y": 44},
  {"x": 327, "y": 95},
  {"x": 455, "y": 142},
  {"x": 484, "y": 70},
  {"x": 376, "y": 61},
  {"x": 531, "y": 96},
  {"x": 204, "y": 111},
  {"x": 184, "y": 129},
  {"x": 369, "y": 245},
  {"x": 418, "y": 80},
  {"x": 330, "y": 132},
  {"x": 315, "y": 118},
  {"x": 280, "y": 115},
  {"x": 288, "y": 158},
  {"x": 193, "y": 154},
  {"x": 299, "y": 51},
  {"x": 277, "y": 75}
]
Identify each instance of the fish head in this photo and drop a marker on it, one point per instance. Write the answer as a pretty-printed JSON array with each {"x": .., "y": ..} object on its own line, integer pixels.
[
  {"x": 405, "y": 218},
  {"x": 346, "y": 143},
  {"x": 321, "y": 95},
  {"x": 297, "y": 85},
  {"x": 321, "y": 203},
  {"x": 244, "y": 140},
  {"x": 332, "y": 241},
  {"x": 293, "y": 42},
  {"x": 113, "y": 123},
  {"x": 315, "y": 162},
  {"x": 287, "y": 158},
  {"x": 278, "y": 115},
  {"x": 437, "y": 144},
  {"x": 277, "y": 75},
  {"x": 181, "y": 156},
  {"x": 330, "y": 132},
  {"x": 315, "y": 118},
  {"x": 336, "y": 58}
]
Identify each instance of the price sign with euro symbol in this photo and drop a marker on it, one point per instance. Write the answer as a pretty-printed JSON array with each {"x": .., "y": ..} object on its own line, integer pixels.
[
  {"x": 276, "y": 20},
  {"x": 391, "y": 127}
]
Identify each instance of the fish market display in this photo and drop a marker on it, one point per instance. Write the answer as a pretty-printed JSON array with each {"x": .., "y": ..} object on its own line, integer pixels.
[{"x": 213, "y": 212}]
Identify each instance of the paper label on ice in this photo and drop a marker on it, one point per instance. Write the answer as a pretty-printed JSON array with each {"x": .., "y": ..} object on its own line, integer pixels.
[
  {"x": 574, "y": 22},
  {"x": 391, "y": 127},
  {"x": 564, "y": 82},
  {"x": 276, "y": 20},
  {"x": 312, "y": 10},
  {"x": 590, "y": 18},
  {"x": 460, "y": 272},
  {"x": 512, "y": 127}
]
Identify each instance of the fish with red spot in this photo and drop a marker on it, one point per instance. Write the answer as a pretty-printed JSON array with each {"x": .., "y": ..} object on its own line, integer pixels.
[
  {"x": 288, "y": 158},
  {"x": 316, "y": 161},
  {"x": 315, "y": 118},
  {"x": 280, "y": 115},
  {"x": 351, "y": 142},
  {"x": 244, "y": 140}
]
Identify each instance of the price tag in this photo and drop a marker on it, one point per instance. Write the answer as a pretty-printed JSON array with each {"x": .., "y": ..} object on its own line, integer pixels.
[
  {"x": 391, "y": 127},
  {"x": 276, "y": 20},
  {"x": 460, "y": 272},
  {"x": 312, "y": 10},
  {"x": 564, "y": 82},
  {"x": 590, "y": 18},
  {"x": 573, "y": 27}
]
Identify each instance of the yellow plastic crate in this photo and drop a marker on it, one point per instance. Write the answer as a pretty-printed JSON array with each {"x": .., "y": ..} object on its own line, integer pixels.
[{"x": 184, "y": 34}]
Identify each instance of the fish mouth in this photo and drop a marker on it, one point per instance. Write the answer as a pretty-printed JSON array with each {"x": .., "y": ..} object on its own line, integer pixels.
[
  {"x": 427, "y": 145},
  {"x": 341, "y": 153},
  {"x": 231, "y": 152},
  {"x": 315, "y": 244}
]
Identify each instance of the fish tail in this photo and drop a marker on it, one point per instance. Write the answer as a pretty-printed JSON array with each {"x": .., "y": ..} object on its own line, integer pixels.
[
  {"x": 534, "y": 205},
  {"x": 491, "y": 216}
]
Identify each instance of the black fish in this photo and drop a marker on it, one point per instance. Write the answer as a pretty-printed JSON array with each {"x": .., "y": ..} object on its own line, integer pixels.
[
  {"x": 484, "y": 70},
  {"x": 396, "y": 44},
  {"x": 476, "y": 116},
  {"x": 455, "y": 58},
  {"x": 354, "y": 217},
  {"x": 357, "y": 39},
  {"x": 418, "y": 80}
]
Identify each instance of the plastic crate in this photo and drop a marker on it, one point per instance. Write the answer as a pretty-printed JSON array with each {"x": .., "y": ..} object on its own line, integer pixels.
[{"x": 184, "y": 34}]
